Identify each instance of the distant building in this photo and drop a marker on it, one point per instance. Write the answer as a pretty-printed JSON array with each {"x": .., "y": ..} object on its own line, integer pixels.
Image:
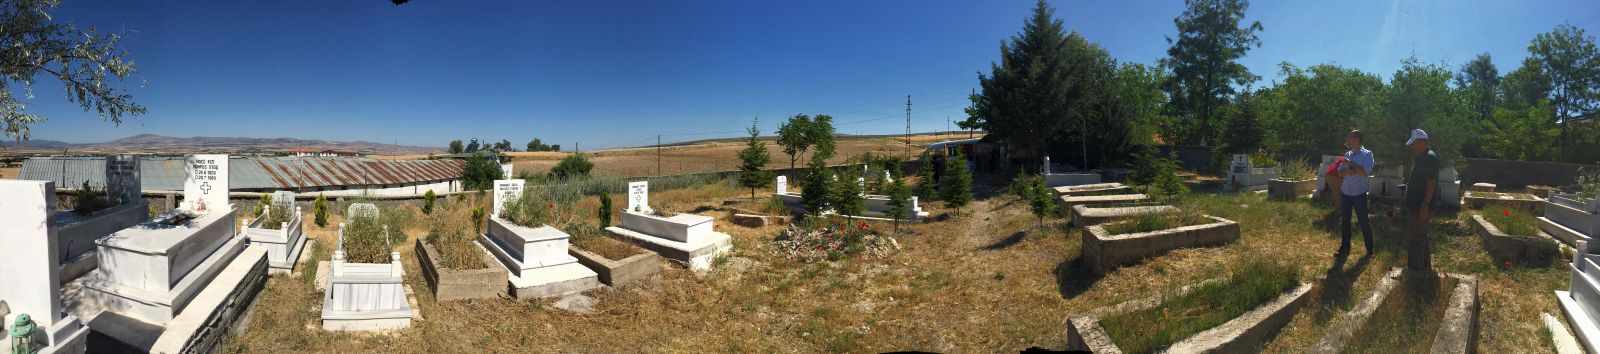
[
  {"x": 263, "y": 174},
  {"x": 305, "y": 152}
]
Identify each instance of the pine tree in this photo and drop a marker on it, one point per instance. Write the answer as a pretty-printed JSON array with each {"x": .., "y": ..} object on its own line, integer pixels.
[
  {"x": 899, "y": 201},
  {"x": 427, "y": 202},
  {"x": 319, "y": 210},
  {"x": 927, "y": 188},
  {"x": 752, "y": 159},
  {"x": 1041, "y": 199},
  {"x": 956, "y": 187},
  {"x": 815, "y": 188},
  {"x": 847, "y": 199},
  {"x": 605, "y": 210}
]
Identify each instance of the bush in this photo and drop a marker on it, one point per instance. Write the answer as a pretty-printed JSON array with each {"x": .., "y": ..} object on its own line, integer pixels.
[
  {"x": 604, "y": 214},
  {"x": 261, "y": 204},
  {"x": 1297, "y": 169},
  {"x": 477, "y": 219},
  {"x": 1041, "y": 199},
  {"x": 87, "y": 200},
  {"x": 1262, "y": 161},
  {"x": 319, "y": 210},
  {"x": 572, "y": 166},
  {"x": 815, "y": 186},
  {"x": 479, "y": 173},
  {"x": 1588, "y": 183},
  {"x": 956, "y": 188},
  {"x": 427, "y": 202},
  {"x": 366, "y": 241}
]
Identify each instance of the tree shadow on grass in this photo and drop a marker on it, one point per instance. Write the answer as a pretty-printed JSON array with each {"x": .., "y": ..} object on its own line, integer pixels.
[
  {"x": 1073, "y": 278},
  {"x": 1007, "y": 242},
  {"x": 1338, "y": 285}
]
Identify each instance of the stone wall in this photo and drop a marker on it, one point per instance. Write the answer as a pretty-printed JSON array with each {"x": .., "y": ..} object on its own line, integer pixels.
[{"x": 1514, "y": 174}]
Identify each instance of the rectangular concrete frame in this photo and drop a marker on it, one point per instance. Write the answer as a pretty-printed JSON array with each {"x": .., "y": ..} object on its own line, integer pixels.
[
  {"x": 1090, "y": 189},
  {"x": 1567, "y": 223},
  {"x": 1070, "y": 179},
  {"x": 1245, "y": 333},
  {"x": 696, "y": 254},
  {"x": 78, "y": 236},
  {"x": 1502, "y": 246},
  {"x": 1103, "y": 251},
  {"x": 1457, "y": 334},
  {"x": 1520, "y": 201},
  {"x": 284, "y": 246},
  {"x": 201, "y": 327},
  {"x": 1068, "y": 201},
  {"x": 535, "y": 270},
  {"x": 618, "y": 272},
  {"x": 1084, "y": 216},
  {"x": 1279, "y": 188},
  {"x": 454, "y": 284},
  {"x": 368, "y": 297}
]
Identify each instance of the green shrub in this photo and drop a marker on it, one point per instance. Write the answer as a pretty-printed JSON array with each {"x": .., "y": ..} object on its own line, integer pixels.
[
  {"x": 1297, "y": 169},
  {"x": 956, "y": 188},
  {"x": 87, "y": 200},
  {"x": 1588, "y": 183},
  {"x": 604, "y": 214},
  {"x": 427, "y": 202},
  {"x": 572, "y": 166},
  {"x": 846, "y": 194},
  {"x": 479, "y": 173},
  {"x": 1041, "y": 199},
  {"x": 1158, "y": 175},
  {"x": 319, "y": 210},
  {"x": 477, "y": 219},
  {"x": 261, "y": 205},
  {"x": 366, "y": 241},
  {"x": 1262, "y": 161}
]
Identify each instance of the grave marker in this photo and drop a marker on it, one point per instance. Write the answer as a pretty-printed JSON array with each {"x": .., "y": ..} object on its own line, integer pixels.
[
  {"x": 505, "y": 191},
  {"x": 282, "y": 197},
  {"x": 122, "y": 178},
  {"x": 783, "y": 185},
  {"x": 639, "y": 197},
  {"x": 205, "y": 182},
  {"x": 505, "y": 171},
  {"x": 1046, "y": 168},
  {"x": 362, "y": 210}
]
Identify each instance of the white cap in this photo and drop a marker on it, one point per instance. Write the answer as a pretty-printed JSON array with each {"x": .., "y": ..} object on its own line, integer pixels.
[{"x": 1417, "y": 134}]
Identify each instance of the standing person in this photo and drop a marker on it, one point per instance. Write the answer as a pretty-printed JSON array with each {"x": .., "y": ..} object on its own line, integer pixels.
[
  {"x": 1420, "y": 187},
  {"x": 1353, "y": 191}
]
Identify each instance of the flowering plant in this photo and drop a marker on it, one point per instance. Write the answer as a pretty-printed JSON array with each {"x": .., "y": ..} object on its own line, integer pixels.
[{"x": 834, "y": 242}]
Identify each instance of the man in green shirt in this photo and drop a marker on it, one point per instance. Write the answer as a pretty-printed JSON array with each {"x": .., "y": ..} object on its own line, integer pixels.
[{"x": 1420, "y": 187}]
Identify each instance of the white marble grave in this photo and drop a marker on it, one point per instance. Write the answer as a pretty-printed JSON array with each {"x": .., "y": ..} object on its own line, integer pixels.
[
  {"x": 1570, "y": 217},
  {"x": 78, "y": 233},
  {"x": 284, "y": 244},
  {"x": 365, "y": 296},
  {"x": 877, "y": 206},
  {"x": 1581, "y": 303},
  {"x": 505, "y": 191},
  {"x": 686, "y": 238},
  {"x": 29, "y": 282},
  {"x": 505, "y": 171},
  {"x": 1053, "y": 179},
  {"x": 536, "y": 257},
  {"x": 1244, "y": 176}
]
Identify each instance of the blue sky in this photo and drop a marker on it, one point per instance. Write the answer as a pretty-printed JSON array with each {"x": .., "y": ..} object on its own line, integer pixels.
[{"x": 607, "y": 73}]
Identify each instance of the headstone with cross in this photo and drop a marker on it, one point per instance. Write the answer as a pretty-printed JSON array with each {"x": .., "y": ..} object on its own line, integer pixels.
[
  {"x": 505, "y": 191},
  {"x": 505, "y": 171},
  {"x": 283, "y": 201},
  {"x": 639, "y": 197},
  {"x": 122, "y": 178},
  {"x": 205, "y": 183}
]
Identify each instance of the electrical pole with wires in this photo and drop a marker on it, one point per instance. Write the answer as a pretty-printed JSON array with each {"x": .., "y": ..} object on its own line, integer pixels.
[
  {"x": 907, "y": 149},
  {"x": 658, "y": 154}
]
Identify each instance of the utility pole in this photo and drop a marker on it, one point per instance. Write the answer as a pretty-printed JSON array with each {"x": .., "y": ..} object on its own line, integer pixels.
[
  {"x": 907, "y": 149},
  {"x": 658, "y": 154}
]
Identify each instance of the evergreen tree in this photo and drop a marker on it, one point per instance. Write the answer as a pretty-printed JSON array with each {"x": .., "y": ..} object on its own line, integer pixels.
[
  {"x": 605, "y": 210},
  {"x": 752, "y": 159},
  {"x": 319, "y": 210},
  {"x": 927, "y": 188},
  {"x": 956, "y": 187},
  {"x": 815, "y": 187},
  {"x": 899, "y": 201},
  {"x": 427, "y": 202},
  {"x": 1041, "y": 199},
  {"x": 1212, "y": 37},
  {"x": 1244, "y": 134},
  {"x": 847, "y": 199}
]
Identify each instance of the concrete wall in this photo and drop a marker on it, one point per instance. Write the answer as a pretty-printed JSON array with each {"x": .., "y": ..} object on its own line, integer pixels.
[{"x": 1517, "y": 174}]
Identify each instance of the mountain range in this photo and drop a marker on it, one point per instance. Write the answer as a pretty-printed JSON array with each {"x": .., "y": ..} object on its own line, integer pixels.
[{"x": 160, "y": 144}]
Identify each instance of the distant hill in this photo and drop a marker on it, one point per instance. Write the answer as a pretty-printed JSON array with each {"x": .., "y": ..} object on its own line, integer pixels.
[{"x": 161, "y": 144}]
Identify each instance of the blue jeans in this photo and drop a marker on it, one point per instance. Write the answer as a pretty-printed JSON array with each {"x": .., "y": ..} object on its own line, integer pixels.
[{"x": 1358, "y": 204}]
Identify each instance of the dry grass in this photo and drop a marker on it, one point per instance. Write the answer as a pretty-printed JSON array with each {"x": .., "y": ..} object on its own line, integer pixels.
[
  {"x": 606, "y": 247},
  {"x": 1408, "y": 318},
  {"x": 707, "y": 157},
  {"x": 986, "y": 281},
  {"x": 10, "y": 172}
]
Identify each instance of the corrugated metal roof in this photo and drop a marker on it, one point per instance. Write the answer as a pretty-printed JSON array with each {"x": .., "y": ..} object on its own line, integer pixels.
[{"x": 252, "y": 173}]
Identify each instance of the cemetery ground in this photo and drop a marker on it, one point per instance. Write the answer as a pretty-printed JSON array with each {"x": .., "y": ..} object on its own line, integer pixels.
[{"x": 987, "y": 280}]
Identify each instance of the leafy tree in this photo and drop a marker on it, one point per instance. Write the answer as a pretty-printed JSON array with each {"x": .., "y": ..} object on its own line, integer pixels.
[
  {"x": 847, "y": 199},
  {"x": 1312, "y": 107},
  {"x": 794, "y": 136},
  {"x": 1480, "y": 82},
  {"x": 820, "y": 135},
  {"x": 1570, "y": 59},
  {"x": 572, "y": 166},
  {"x": 556, "y": 147},
  {"x": 1041, "y": 199},
  {"x": 319, "y": 210},
  {"x": 1525, "y": 86},
  {"x": 899, "y": 201},
  {"x": 1244, "y": 133},
  {"x": 1212, "y": 37},
  {"x": 427, "y": 202},
  {"x": 87, "y": 64},
  {"x": 1521, "y": 134},
  {"x": 1418, "y": 96},
  {"x": 503, "y": 146},
  {"x": 1045, "y": 86},
  {"x": 815, "y": 185},
  {"x": 752, "y": 160},
  {"x": 479, "y": 173},
  {"x": 1139, "y": 90},
  {"x": 956, "y": 187},
  {"x": 455, "y": 146},
  {"x": 605, "y": 210}
]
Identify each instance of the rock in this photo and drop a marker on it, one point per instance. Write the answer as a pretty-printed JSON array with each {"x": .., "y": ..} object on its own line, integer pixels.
[
  {"x": 748, "y": 220},
  {"x": 576, "y": 303}
]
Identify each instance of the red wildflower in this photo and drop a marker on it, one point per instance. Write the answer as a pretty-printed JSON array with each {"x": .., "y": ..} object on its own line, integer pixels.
[
  {"x": 1505, "y": 212},
  {"x": 552, "y": 206},
  {"x": 1508, "y": 262}
]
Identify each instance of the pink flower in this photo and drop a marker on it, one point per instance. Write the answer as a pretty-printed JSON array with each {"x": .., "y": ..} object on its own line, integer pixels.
[
  {"x": 1508, "y": 262},
  {"x": 1505, "y": 212}
]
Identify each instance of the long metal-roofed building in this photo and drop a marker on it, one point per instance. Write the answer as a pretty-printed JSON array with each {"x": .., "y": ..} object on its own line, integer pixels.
[{"x": 261, "y": 174}]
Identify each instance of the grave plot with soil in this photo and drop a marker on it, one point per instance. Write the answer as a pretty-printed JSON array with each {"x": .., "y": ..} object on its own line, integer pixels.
[{"x": 1227, "y": 315}]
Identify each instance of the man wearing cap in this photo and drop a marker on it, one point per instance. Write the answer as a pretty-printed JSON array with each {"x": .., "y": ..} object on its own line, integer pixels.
[
  {"x": 1420, "y": 187},
  {"x": 1353, "y": 191}
]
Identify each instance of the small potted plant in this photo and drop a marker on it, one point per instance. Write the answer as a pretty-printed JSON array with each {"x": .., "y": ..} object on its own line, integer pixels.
[{"x": 1296, "y": 178}]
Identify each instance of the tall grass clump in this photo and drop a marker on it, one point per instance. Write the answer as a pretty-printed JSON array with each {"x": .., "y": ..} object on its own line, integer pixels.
[{"x": 1296, "y": 169}]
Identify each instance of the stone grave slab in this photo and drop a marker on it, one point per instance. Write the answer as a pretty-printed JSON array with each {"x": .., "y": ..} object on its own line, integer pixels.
[
  {"x": 365, "y": 296},
  {"x": 538, "y": 260}
]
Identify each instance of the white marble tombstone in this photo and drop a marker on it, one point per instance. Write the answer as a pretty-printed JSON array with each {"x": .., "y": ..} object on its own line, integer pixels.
[
  {"x": 1046, "y": 169},
  {"x": 783, "y": 185},
  {"x": 122, "y": 178},
  {"x": 361, "y": 210},
  {"x": 205, "y": 183},
  {"x": 283, "y": 197},
  {"x": 861, "y": 182},
  {"x": 639, "y": 197},
  {"x": 506, "y": 191},
  {"x": 29, "y": 282},
  {"x": 505, "y": 171}
]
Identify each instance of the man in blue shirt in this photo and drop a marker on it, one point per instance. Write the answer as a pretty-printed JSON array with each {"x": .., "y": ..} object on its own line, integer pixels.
[{"x": 1353, "y": 198}]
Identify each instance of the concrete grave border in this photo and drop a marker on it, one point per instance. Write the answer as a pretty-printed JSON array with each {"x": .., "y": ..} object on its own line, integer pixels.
[
  {"x": 457, "y": 284},
  {"x": 1456, "y": 335},
  {"x": 1503, "y": 246},
  {"x": 1103, "y": 251},
  {"x": 1478, "y": 199},
  {"x": 1084, "y": 216},
  {"x": 1279, "y": 188},
  {"x": 1068, "y": 201},
  {"x": 616, "y": 272},
  {"x": 1241, "y": 334}
]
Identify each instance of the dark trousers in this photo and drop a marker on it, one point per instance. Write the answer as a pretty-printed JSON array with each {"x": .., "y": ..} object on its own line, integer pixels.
[
  {"x": 1419, "y": 247},
  {"x": 1358, "y": 204}
]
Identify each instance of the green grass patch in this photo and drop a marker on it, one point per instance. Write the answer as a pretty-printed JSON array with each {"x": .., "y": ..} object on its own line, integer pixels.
[
  {"x": 1155, "y": 222},
  {"x": 1407, "y": 320},
  {"x": 1511, "y": 220},
  {"x": 1209, "y": 305}
]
